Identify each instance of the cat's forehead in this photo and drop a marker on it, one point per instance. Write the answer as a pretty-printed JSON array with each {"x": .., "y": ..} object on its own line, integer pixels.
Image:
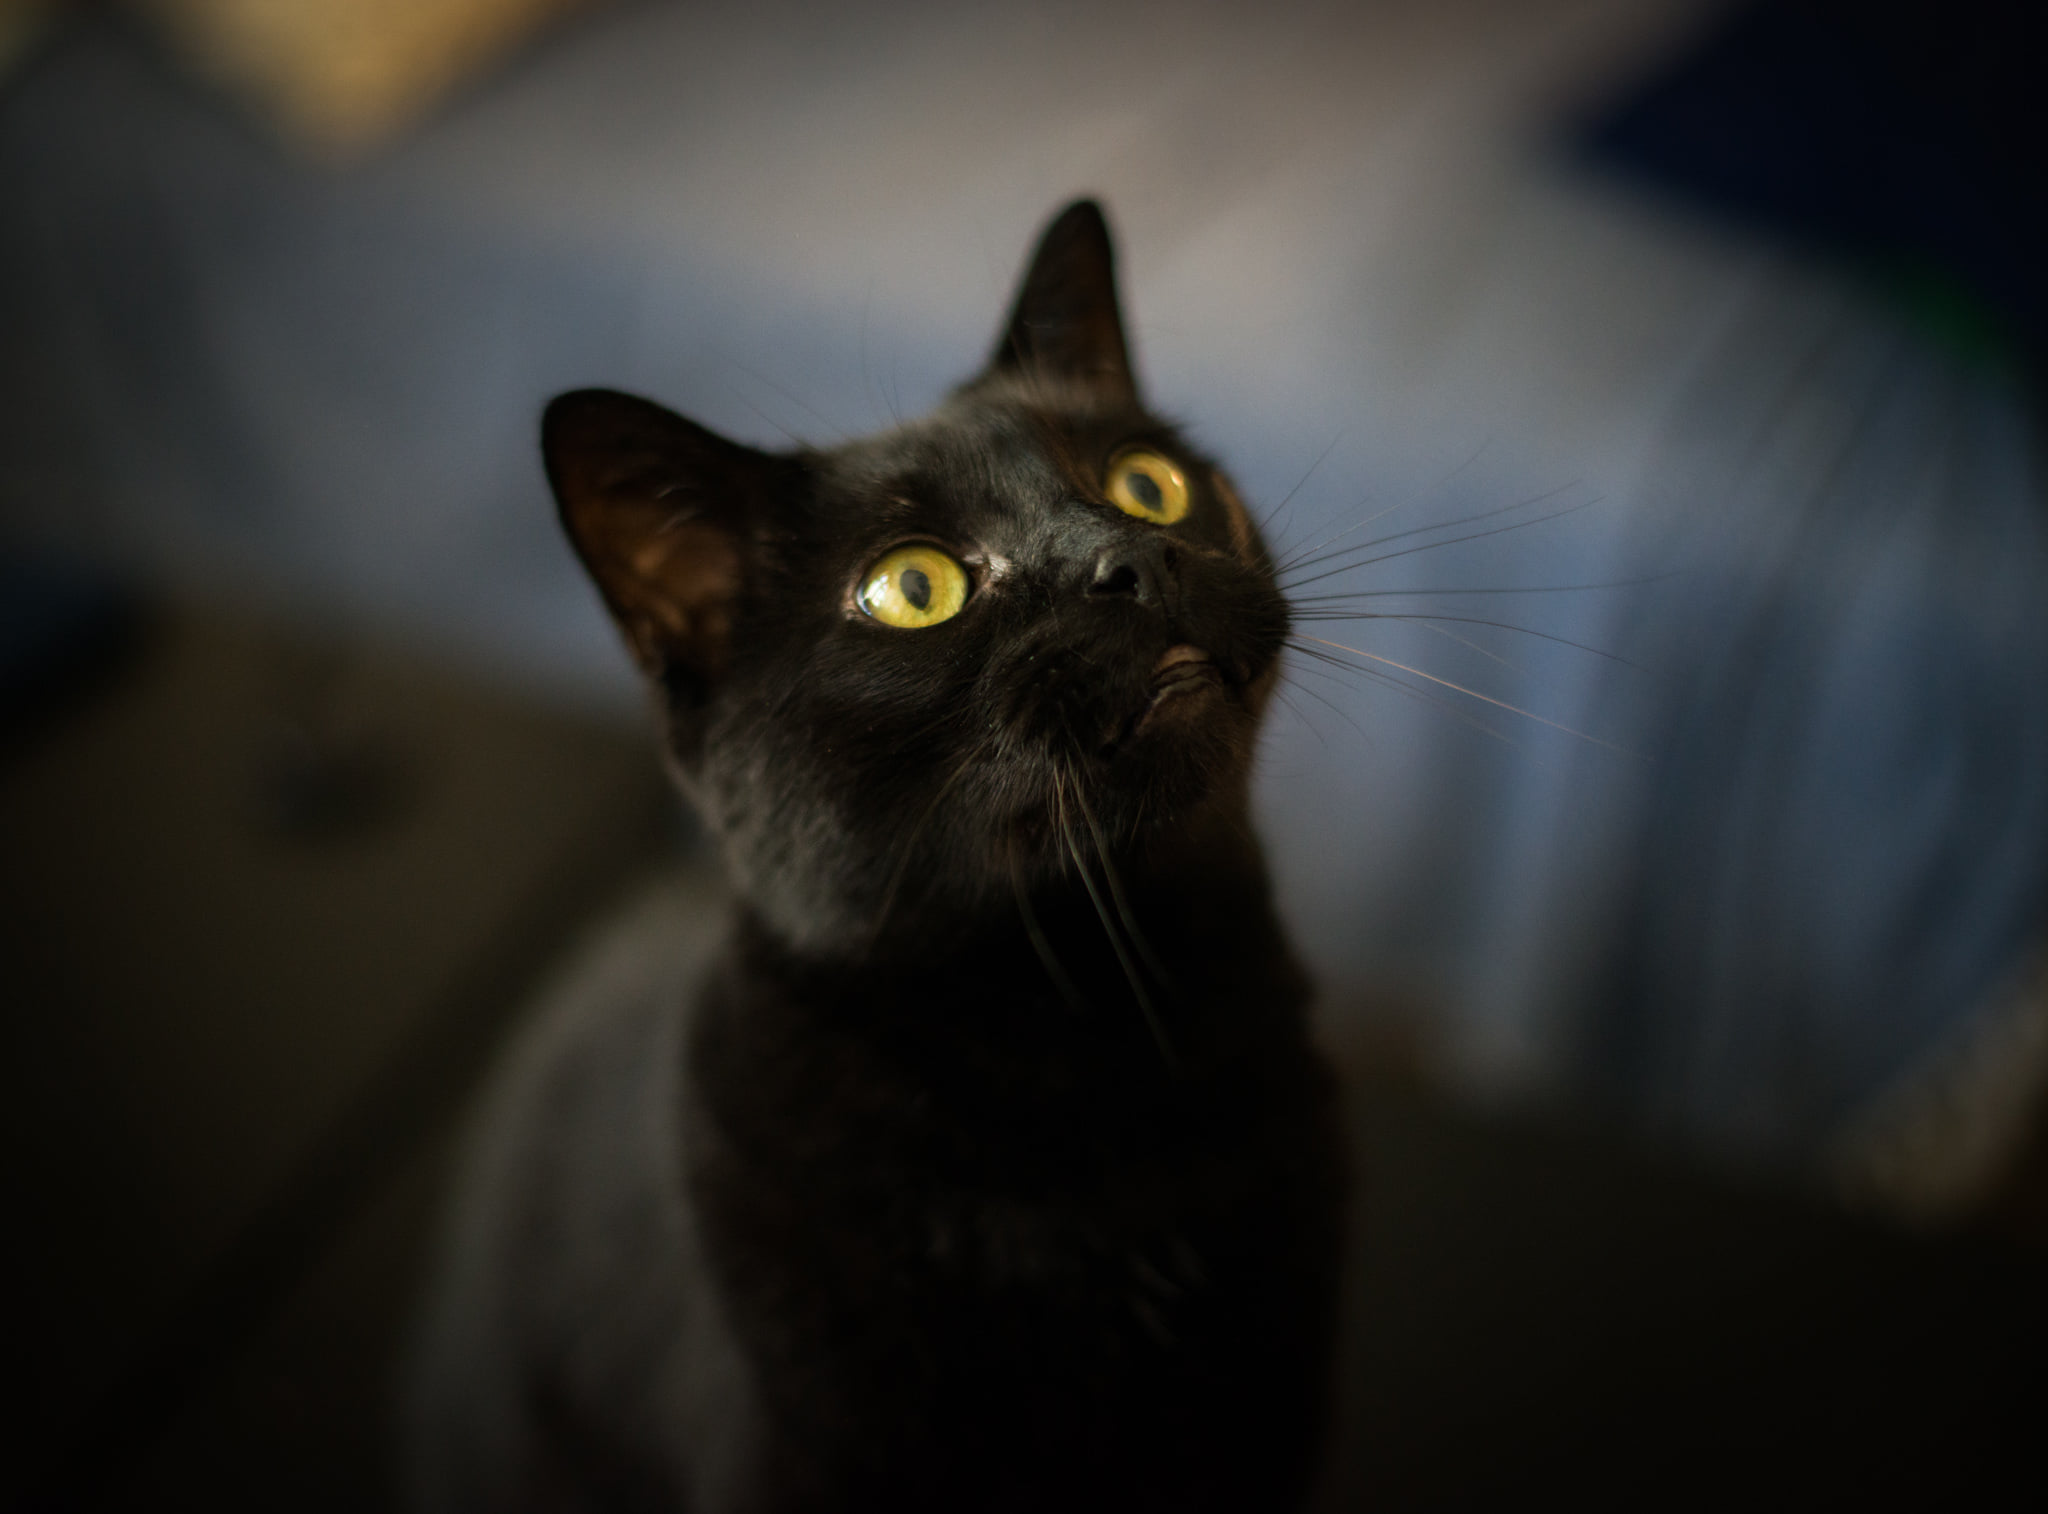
[
  {"x": 959, "y": 451},
  {"x": 975, "y": 451}
]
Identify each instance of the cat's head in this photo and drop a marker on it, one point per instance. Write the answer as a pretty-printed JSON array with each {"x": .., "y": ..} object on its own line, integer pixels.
[{"x": 915, "y": 671}]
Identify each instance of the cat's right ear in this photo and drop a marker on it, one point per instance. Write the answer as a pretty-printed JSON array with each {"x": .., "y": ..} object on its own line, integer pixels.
[
  {"x": 658, "y": 509},
  {"x": 1065, "y": 322}
]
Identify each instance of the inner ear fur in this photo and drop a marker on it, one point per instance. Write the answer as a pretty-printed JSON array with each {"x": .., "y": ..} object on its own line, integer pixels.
[
  {"x": 1065, "y": 323},
  {"x": 657, "y": 507}
]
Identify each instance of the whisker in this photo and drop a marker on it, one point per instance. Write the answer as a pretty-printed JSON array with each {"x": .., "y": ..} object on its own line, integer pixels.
[
  {"x": 1430, "y": 546},
  {"x": 1308, "y": 557},
  {"x": 1440, "y": 525},
  {"x": 1619, "y": 583},
  {"x": 1474, "y": 694},
  {"x": 1295, "y": 559},
  {"x": 1116, "y": 942},
  {"x": 1469, "y": 620},
  {"x": 1043, "y": 947},
  {"x": 1421, "y": 623},
  {"x": 1265, "y": 517},
  {"x": 1116, "y": 894},
  {"x": 1421, "y": 696},
  {"x": 909, "y": 847},
  {"x": 1329, "y": 704},
  {"x": 783, "y": 392},
  {"x": 787, "y": 435}
]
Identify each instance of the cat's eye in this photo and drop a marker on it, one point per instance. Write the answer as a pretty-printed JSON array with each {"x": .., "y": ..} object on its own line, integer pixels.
[
  {"x": 1146, "y": 485},
  {"x": 913, "y": 587}
]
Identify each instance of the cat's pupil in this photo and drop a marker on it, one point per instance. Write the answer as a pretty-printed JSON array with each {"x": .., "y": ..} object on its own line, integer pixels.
[
  {"x": 1145, "y": 490},
  {"x": 916, "y": 587}
]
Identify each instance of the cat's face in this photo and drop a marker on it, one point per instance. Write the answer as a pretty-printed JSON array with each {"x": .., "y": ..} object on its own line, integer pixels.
[{"x": 914, "y": 672}]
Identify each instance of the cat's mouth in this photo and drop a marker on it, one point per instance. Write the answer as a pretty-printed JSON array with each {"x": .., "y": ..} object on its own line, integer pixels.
[
  {"x": 1181, "y": 678},
  {"x": 1180, "y": 669}
]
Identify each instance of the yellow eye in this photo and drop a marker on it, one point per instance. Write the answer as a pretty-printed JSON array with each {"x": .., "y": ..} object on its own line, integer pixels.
[
  {"x": 1146, "y": 485},
  {"x": 913, "y": 587}
]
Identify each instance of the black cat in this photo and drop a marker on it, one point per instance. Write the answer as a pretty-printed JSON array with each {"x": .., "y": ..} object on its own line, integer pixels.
[{"x": 985, "y": 1164}]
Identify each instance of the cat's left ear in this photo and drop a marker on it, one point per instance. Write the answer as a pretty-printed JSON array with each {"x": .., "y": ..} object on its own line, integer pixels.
[
  {"x": 659, "y": 510},
  {"x": 1065, "y": 323}
]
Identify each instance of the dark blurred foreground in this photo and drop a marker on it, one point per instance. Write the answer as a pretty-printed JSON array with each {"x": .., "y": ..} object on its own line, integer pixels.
[{"x": 270, "y": 900}]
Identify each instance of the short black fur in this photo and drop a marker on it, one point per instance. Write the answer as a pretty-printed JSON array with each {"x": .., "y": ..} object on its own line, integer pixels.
[{"x": 1015, "y": 1172}]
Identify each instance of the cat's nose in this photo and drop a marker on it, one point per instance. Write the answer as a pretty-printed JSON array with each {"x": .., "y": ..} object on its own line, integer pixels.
[{"x": 1147, "y": 570}]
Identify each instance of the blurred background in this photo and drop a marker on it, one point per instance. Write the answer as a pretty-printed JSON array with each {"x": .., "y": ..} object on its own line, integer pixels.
[{"x": 1644, "y": 395}]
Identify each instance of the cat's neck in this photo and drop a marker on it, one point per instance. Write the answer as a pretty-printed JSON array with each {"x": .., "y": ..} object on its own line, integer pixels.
[{"x": 1161, "y": 960}]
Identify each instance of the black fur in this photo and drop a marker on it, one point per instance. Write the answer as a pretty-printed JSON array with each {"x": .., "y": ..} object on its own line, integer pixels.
[{"x": 1013, "y": 1172}]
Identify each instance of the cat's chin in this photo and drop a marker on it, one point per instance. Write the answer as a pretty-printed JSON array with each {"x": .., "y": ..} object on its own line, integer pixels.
[{"x": 1190, "y": 735}]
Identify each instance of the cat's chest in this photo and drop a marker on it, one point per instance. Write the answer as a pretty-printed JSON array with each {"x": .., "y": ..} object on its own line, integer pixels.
[
  {"x": 1040, "y": 1188},
  {"x": 925, "y": 1283}
]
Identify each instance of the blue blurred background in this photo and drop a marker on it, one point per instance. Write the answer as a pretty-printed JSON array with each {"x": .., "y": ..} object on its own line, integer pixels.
[
  {"x": 1372, "y": 262},
  {"x": 1655, "y": 380}
]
